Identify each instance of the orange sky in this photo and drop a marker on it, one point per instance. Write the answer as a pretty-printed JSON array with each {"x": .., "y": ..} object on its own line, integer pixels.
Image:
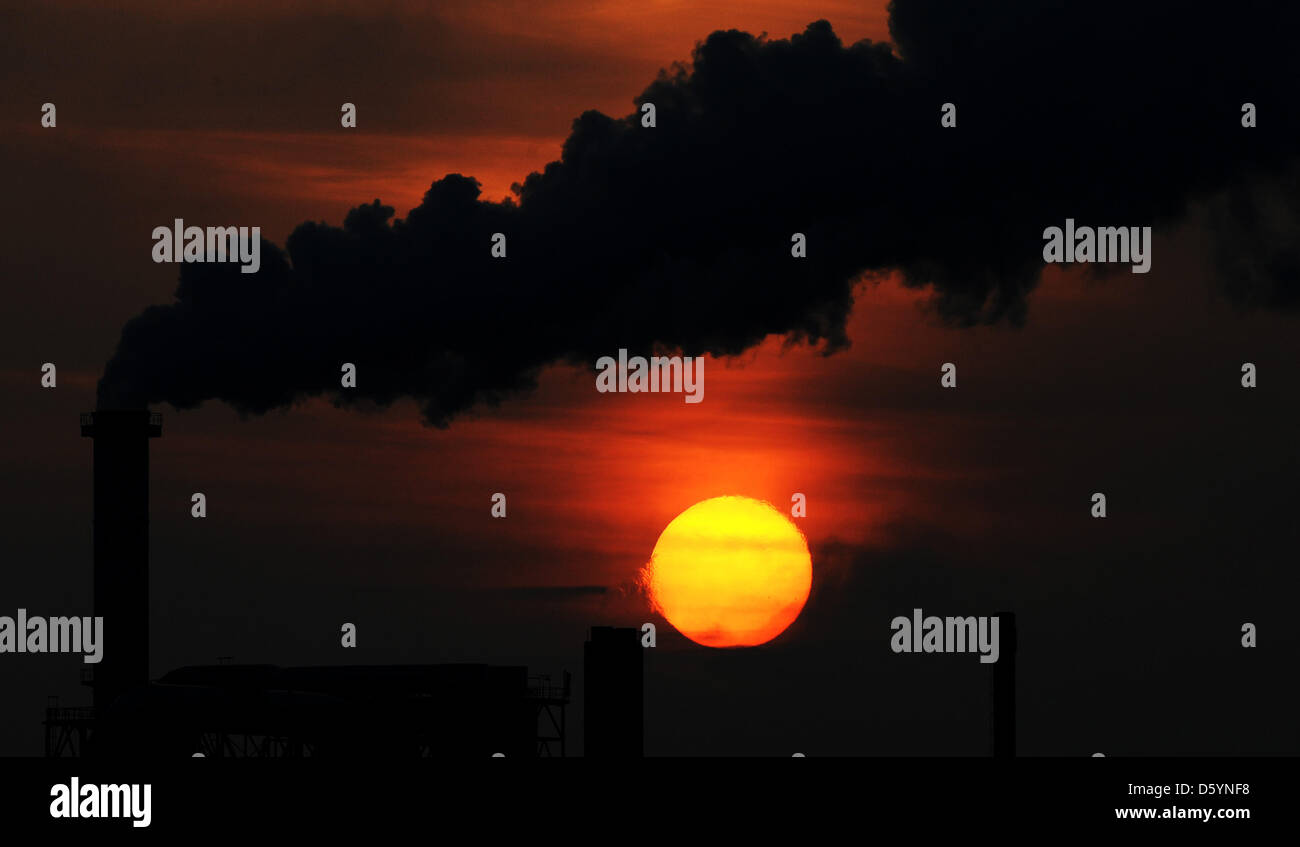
[
  {"x": 592, "y": 479},
  {"x": 242, "y": 109},
  {"x": 238, "y": 132},
  {"x": 228, "y": 111}
]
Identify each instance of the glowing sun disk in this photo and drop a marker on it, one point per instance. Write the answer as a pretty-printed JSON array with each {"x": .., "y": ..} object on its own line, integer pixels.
[{"x": 730, "y": 572}]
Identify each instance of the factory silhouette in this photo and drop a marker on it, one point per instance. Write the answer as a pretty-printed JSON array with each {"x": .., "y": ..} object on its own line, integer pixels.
[
  {"x": 266, "y": 711},
  {"x": 341, "y": 711}
]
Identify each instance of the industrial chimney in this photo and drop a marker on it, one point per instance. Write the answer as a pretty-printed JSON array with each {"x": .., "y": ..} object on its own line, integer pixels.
[
  {"x": 613, "y": 693},
  {"x": 121, "y": 527}
]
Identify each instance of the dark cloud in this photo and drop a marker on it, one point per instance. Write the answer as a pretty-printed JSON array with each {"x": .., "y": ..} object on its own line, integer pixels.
[
  {"x": 555, "y": 592},
  {"x": 679, "y": 235},
  {"x": 1257, "y": 253}
]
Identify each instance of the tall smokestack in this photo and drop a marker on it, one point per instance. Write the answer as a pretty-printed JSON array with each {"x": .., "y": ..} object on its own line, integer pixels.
[{"x": 121, "y": 527}]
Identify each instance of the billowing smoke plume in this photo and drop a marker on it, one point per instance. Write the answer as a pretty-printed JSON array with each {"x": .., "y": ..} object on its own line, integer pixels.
[{"x": 679, "y": 236}]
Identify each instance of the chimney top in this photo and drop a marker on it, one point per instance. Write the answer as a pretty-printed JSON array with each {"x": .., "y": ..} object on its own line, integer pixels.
[{"x": 121, "y": 421}]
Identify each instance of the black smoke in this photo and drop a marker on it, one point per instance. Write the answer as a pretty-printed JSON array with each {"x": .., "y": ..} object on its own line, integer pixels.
[{"x": 679, "y": 236}]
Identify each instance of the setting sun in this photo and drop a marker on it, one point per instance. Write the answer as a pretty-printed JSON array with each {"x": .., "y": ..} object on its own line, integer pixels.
[{"x": 730, "y": 572}]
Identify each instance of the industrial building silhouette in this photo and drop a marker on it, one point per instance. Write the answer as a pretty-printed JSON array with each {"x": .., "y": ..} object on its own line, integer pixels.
[{"x": 226, "y": 710}]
